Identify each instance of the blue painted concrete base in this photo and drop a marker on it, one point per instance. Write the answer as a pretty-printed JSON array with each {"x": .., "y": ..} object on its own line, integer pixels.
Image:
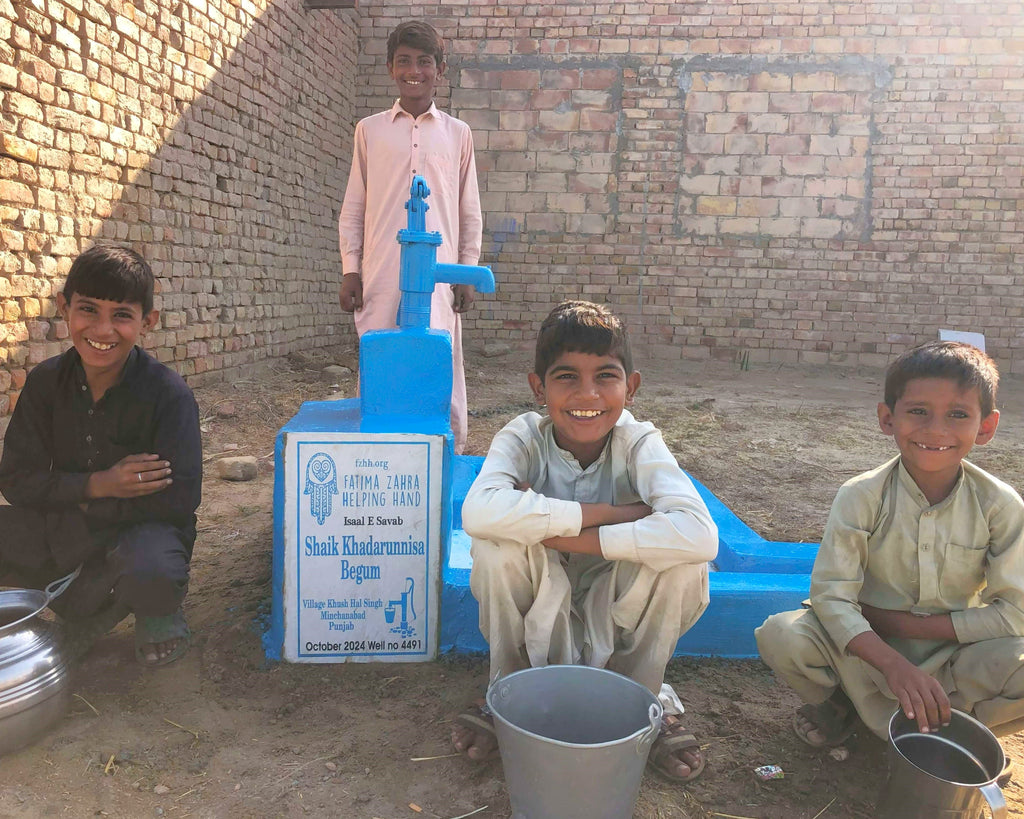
[{"x": 752, "y": 579}]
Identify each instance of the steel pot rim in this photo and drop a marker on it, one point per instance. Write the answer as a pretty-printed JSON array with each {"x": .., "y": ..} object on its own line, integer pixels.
[{"x": 34, "y": 599}]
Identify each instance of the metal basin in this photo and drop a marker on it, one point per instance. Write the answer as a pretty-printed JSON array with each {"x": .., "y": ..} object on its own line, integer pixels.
[{"x": 34, "y": 681}]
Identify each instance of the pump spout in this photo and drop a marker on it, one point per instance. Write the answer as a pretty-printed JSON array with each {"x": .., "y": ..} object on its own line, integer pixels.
[
  {"x": 419, "y": 269},
  {"x": 480, "y": 277}
]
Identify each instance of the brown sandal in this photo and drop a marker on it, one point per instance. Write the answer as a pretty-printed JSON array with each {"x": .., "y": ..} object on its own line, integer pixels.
[{"x": 672, "y": 739}]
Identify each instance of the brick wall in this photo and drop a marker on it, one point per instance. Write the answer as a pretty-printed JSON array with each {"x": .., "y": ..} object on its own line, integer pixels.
[
  {"x": 214, "y": 136},
  {"x": 795, "y": 182},
  {"x": 800, "y": 182}
]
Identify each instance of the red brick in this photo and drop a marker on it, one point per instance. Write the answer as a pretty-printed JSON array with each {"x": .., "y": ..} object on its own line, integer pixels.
[
  {"x": 548, "y": 98},
  {"x": 787, "y": 145},
  {"x": 597, "y": 79},
  {"x": 831, "y": 103},
  {"x": 520, "y": 79},
  {"x": 598, "y": 121},
  {"x": 789, "y": 103}
]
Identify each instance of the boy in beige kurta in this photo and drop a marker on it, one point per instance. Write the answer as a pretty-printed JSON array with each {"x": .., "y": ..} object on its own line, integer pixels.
[
  {"x": 917, "y": 593},
  {"x": 590, "y": 544}
]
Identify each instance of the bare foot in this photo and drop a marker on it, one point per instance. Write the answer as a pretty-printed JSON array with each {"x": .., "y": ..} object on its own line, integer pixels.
[
  {"x": 473, "y": 732},
  {"x": 476, "y": 746},
  {"x": 154, "y": 653},
  {"x": 826, "y": 724},
  {"x": 676, "y": 753},
  {"x": 809, "y": 731}
]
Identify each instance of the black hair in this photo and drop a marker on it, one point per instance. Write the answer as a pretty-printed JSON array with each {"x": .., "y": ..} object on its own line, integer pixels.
[
  {"x": 417, "y": 34},
  {"x": 963, "y": 363},
  {"x": 581, "y": 327},
  {"x": 112, "y": 273}
]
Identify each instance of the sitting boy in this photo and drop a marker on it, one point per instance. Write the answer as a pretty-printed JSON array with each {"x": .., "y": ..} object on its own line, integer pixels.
[
  {"x": 917, "y": 593},
  {"x": 590, "y": 545},
  {"x": 102, "y": 464}
]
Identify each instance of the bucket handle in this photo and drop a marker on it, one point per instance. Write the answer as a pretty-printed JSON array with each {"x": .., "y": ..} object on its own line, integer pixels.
[
  {"x": 59, "y": 586},
  {"x": 994, "y": 796},
  {"x": 643, "y": 745}
]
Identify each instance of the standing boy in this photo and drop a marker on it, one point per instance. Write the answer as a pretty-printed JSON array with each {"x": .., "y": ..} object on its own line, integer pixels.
[
  {"x": 390, "y": 148},
  {"x": 917, "y": 593},
  {"x": 590, "y": 544},
  {"x": 102, "y": 464}
]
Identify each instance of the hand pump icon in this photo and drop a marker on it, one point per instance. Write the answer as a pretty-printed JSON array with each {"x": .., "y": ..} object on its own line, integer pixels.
[{"x": 405, "y": 603}]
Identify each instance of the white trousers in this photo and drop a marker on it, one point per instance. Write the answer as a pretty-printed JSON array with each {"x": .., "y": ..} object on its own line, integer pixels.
[
  {"x": 985, "y": 679},
  {"x": 539, "y": 606}
]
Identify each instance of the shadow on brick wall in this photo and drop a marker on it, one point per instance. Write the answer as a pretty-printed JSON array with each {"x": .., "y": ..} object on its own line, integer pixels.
[{"x": 213, "y": 139}]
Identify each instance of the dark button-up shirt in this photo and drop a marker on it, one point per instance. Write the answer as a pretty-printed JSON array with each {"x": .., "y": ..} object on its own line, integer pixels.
[{"x": 58, "y": 435}]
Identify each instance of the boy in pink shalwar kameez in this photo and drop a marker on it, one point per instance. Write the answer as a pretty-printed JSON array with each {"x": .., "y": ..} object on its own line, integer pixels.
[{"x": 413, "y": 137}]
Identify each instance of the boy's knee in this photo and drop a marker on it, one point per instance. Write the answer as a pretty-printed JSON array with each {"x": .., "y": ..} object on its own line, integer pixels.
[
  {"x": 1000, "y": 661},
  {"x": 777, "y": 635},
  {"x": 152, "y": 594},
  {"x": 491, "y": 559},
  {"x": 152, "y": 565}
]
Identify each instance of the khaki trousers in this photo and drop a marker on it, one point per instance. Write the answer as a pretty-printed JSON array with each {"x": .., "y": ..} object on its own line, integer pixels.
[
  {"x": 985, "y": 679},
  {"x": 539, "y": 606}
]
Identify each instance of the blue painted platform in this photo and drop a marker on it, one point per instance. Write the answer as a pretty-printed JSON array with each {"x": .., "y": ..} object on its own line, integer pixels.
[{"x": 750, "y": 579}]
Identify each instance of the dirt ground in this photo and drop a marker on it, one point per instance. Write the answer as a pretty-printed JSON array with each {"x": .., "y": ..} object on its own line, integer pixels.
[{"x": 223, "y": 733}]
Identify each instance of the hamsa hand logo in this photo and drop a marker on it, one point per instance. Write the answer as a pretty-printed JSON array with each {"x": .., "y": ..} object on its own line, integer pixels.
[{"x": 321, "y": 483}]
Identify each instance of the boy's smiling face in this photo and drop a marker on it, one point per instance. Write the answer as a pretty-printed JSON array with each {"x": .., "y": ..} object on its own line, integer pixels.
[
  {"x": 935, "y": 423},
  {"x": 585, "y": 395},
  {"x": 104, "y": 333},
  {"x": 416, "y": 73}
]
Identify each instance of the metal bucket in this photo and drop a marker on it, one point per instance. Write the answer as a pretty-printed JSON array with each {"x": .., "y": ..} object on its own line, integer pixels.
[
  {"x": 946, "y": 774},
  {"x": 34, "y": 689},
  {"x": 574, "y": 740}
]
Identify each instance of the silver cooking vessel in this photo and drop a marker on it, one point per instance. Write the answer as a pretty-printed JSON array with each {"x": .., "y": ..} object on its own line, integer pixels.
[{"x": 34, "y": 682}]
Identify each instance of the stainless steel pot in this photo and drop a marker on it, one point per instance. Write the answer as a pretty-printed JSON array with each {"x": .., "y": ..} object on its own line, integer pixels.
[
  {"x": 950, "y": 773},
  {"x": 34, "y": 681}
]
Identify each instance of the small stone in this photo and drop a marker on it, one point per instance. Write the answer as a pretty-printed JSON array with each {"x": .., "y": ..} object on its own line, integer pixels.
[
  {"x": 495, "y": 348},
  {"x": 238, "y": 786},
  {"x": 160, "y": 790},
  {"x": 227, "y": 410},
  {"x": 237, "y": 468},
  {"x": 333, "y": 372},
  {"x": 330, "y": 766},
  {"x": 839, "y": 753}
]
